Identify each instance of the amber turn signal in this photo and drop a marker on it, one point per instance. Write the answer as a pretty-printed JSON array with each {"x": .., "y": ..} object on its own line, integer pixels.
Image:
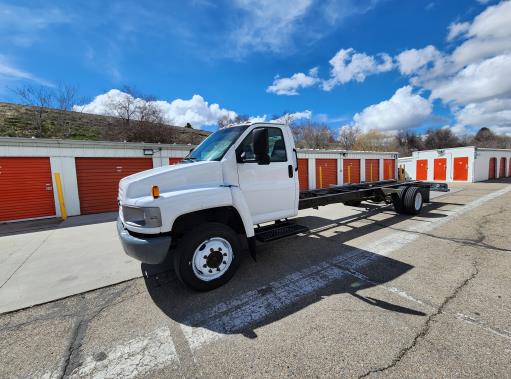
[{"x": 155, "y": 191}]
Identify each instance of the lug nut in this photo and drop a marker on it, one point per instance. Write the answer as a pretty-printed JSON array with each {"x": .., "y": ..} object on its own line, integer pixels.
[
  {"x": 219, "y": 249},
  {"x": 225, "y": 254},
  {"x": 204, "y": 266},
  {"x": 224, "y": 262},
  {"x": 205, "y": 257},
  {"x": 210, "y": 271},
  {"x": 211, "y": 250},
  {"x": 218, "y": 268}
]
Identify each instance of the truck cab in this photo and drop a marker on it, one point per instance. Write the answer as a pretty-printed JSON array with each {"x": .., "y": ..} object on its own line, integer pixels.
[{"x": 201, "y": 212}]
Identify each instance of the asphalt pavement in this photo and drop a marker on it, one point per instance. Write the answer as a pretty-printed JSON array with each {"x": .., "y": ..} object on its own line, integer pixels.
[{"x": 365, "y": 293}]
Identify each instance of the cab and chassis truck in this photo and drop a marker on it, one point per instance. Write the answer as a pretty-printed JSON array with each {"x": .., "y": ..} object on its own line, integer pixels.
[{"x": 199, "y": 212}]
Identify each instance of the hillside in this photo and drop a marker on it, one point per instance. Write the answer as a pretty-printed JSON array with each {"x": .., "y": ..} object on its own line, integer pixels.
[{"x": 28, "y": 121}]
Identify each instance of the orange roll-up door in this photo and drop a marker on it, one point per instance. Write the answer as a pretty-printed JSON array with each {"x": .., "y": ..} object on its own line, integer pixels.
[
  {"x": 502, "y": 168},
  {"x": 389, "y": 169},
  {"x": 98, "y": 180},
  {"x": 372, "y": 170},
  {"x": 326, "y": 173},
  {"x": 440, "y": 169},
  {"x": 26, "y": 188},
  {"x": 460, "y": 168},
  {"x": 303, "y": 174},
  {"x": 492, "y": 168},
  {"x": 351, "y": 171},
  {"x": 422, "y": 169},
  {"x": 175, "y": 160}
]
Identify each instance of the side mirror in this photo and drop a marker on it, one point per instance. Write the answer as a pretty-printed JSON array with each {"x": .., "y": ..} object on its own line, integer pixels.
[{"x": 261, "y": 146}]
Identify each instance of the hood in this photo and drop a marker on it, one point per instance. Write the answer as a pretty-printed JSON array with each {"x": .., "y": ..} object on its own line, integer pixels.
[{"x": 171, "y": 178}]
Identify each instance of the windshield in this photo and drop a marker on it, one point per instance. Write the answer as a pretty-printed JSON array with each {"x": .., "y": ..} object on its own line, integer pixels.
[{"x": 216, "y": 145}]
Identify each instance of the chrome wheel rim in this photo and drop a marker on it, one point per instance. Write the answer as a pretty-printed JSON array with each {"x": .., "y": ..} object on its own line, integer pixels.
[{"x": 212, "y": 259}]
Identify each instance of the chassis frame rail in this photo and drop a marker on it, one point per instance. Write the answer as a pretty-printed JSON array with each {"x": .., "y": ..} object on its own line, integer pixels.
[{"x": 377, "y": 191}]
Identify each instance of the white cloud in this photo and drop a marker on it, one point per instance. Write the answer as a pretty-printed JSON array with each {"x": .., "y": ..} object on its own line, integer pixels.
[
  {"x": 280, "y": 26},
  {"x": 490, "y": 35},
  {"x": 348, "y": 65},
  {"x": 494, "y": 113},
  {"x": 402, "y": 111},
  {"x": 290, "y": 117},
  {"x": 21, "y": 25},
  {"x": 457, "y": 29},
  {"x": 284, "y": 119},
  {"x": 290, "y": 86},
  {"x": 477, "y": 82},
  {"x": 9, "y": 71},
  {"x": 409, "y": 61},
  {"x": 266, "y": 25},
  {"x": 196, "y": 111}
]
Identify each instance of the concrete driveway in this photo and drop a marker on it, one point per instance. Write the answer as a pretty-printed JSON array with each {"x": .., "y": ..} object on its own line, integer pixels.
[{"x": 46, "y": 260}]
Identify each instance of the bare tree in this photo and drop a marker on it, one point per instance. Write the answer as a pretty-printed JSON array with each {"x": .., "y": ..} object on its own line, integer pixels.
[
  {"x": 373, "y": 140},
  {"x": 348, "y": 137},
  {"x": 64, "y": 96},
  {"x": 312, "y": 135},
  {"x": 406, "y": 141},
  {"x": 41, "y": 98},
  {"x": 440, "y": 139},
  {"x": 227, "y": 120}
]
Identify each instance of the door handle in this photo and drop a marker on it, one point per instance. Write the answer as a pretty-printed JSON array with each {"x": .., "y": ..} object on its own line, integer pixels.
[{"x": 290, "y": 170}]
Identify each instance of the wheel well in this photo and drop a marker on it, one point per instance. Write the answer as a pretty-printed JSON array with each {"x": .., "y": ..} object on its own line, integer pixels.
[{"x": 225, "y": 215}]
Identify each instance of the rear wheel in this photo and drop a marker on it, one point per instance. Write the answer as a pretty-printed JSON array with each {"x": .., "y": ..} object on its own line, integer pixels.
[
  {"x": 413, "y": 201},
  {"x": 398, "y": 199},
  {"x": 207, "y": 257}
]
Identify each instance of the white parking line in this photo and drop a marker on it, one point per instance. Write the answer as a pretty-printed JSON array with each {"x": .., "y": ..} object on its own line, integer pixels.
[{"x": 133, "y": 358}]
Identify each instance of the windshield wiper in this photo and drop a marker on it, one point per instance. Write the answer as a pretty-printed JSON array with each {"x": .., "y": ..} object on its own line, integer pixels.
[{"x": 190, "y": 159}]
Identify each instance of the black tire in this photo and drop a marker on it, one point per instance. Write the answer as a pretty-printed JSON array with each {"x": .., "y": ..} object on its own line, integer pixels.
[
  {"x": 191, "y": 241},
  {"x": 398, "y": 199},
  {"x": 413, "y": 201},
  {"x": 353, "y": 203}
]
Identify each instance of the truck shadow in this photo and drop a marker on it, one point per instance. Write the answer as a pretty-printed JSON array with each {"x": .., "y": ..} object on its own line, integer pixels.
[{"x": 290, "y": 275}]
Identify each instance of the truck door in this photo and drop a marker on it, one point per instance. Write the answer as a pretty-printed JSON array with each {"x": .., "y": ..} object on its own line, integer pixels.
[{"x": 270, "y": 190}]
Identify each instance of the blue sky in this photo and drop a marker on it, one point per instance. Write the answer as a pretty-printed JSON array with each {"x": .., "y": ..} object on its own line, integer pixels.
[{"x": 376, "y": 64}]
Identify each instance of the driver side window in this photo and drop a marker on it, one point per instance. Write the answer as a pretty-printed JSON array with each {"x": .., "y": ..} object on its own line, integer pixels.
[{"x": 276, "y": 146}]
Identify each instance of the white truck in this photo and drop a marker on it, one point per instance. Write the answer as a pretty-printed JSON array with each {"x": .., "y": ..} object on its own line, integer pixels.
[{"x": 199, "y": 212}]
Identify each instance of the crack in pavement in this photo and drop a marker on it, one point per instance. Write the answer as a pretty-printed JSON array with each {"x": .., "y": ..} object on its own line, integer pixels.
[
  {"x": 426, "y": 327},
  {"x": 72, "y": 358}
]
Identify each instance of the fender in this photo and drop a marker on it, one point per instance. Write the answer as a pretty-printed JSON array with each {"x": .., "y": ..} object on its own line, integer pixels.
[
  {"x": 239, "y": 203},
  {"x": 178, "y": 203}
]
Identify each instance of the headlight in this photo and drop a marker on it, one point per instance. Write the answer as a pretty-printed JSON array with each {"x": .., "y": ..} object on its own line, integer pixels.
[{"x": 149, "y": 217}]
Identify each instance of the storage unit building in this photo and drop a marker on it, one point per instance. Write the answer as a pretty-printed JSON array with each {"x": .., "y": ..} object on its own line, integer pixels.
[
  {"x": 339, "y": 167},
  {"x": 465, "y": 164},
  {"x": 90, "y": 172}
]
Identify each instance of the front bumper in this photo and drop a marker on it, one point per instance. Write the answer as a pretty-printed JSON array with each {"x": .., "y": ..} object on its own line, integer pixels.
[{"x": 152, "y": 250}]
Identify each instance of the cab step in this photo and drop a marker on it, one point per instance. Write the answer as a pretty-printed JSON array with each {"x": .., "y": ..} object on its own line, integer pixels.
[{"x": 278, "y": 231}]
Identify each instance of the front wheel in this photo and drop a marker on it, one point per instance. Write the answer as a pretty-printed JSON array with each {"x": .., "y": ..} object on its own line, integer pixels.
[{"x": 207, "y": 257}]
